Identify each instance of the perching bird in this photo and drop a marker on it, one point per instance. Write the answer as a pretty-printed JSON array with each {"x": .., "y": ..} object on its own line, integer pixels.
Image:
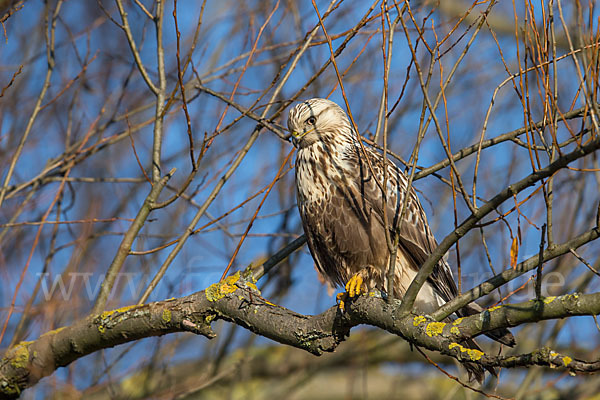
[{"x": 342, "y": 211}]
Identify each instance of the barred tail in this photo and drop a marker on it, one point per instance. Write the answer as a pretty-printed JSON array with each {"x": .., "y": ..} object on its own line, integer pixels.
[{"x": 476, "y": 372}]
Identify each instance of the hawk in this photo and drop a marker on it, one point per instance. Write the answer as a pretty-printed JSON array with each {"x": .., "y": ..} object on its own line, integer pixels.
[{"x": 339, "y": 194}]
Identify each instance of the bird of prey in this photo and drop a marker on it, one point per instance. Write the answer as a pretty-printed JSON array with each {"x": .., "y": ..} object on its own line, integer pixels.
[{"x": 339, "y": 187}]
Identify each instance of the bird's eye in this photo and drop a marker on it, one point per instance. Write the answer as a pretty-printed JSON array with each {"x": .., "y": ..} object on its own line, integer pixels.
[{"x": 311, "y": 120}]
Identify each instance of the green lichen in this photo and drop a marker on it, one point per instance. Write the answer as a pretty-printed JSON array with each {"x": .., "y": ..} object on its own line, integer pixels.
[
  {"x": 166, "y": 316},
  {"x": 418, "y": 320},
  {"x": 10, "y": 389},
  {"x": 473, "y": 354},
  {"x": 220, "y": 289},
  {"x": 434, "y": 328},
  {"x": 20, "y": 357}
]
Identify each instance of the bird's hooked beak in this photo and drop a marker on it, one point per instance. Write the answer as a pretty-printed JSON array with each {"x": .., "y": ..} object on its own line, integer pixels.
[{"x": 297, "y": 136}]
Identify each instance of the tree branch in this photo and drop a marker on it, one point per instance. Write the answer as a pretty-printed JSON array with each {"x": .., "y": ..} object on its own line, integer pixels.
[
  {"x": 512, "y": 273},
  {"x": 237, "y": 300},
  {"x": 530, "y": 180}
]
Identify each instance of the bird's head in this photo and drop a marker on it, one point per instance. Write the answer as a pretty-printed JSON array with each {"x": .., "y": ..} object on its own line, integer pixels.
[{"x": 318, "y": 120}]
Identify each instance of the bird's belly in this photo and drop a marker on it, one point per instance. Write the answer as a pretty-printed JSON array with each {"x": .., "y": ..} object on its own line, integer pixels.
[
  {"x": 341, "y": 234},
  {"x": 427, "y": 300}
]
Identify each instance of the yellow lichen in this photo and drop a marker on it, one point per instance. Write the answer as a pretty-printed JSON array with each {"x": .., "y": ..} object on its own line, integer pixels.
[
  {"x": 434, "y": 328},
  {"x": 105, "y": 317},
  {"x": 275, "y": 305},
  {"x": 458, "y": 321},
  {"x": 453, "y": 345},
  {"x": 418, "y": 320},
  {"x": 548, "y": 300},
  {"x": 566, "y": 360},
  {"x": 494, "y": 308},
  {"x": 473, "y": 354},
  {"x": 53, "y": 332},
  {"x": 166, "y": 316},
  {"x": 209, "y": 318},
  {"x": 455, "y": 331},
  {"x": 21, "y": 355},
  {"x": 252, "y": 285},
  {"x": 248, "y": 273},
  {"x": 220, "y": 289},
  {"x": 121, "y": 310}
]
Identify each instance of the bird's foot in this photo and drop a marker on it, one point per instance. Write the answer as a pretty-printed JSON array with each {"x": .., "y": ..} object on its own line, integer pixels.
[
  {"x": 340, "y": 297},
  {"x": 354, "y": 288},
  {"x": 356, "y": 285}
]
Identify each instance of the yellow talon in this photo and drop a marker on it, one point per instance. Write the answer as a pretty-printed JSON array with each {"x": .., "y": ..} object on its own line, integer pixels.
[
  {"x": 340, "y": 300},
  {"x": 354, "y": 287}
]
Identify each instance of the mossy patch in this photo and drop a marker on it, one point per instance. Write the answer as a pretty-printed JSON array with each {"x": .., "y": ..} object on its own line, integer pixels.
[
  {"x": 121, "y": 310},
  {"x": 166, "y": 316},
  {"x": 434, "y": 328},
  {"x": 220, "y": 289},
  {"x": 107, "y": 318},
  {"x": 53, "y": 332},
  {"x": 473, "y": 354},
  {"x": 20, "y": 357}
]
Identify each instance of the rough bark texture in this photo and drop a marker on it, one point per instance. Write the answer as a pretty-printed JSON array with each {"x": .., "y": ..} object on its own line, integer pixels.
[{"x": 237, "y": 300}]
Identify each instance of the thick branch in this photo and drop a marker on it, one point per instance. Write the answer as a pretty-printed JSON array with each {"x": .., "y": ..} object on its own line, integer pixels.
[{"x": 238, "y": 301}]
